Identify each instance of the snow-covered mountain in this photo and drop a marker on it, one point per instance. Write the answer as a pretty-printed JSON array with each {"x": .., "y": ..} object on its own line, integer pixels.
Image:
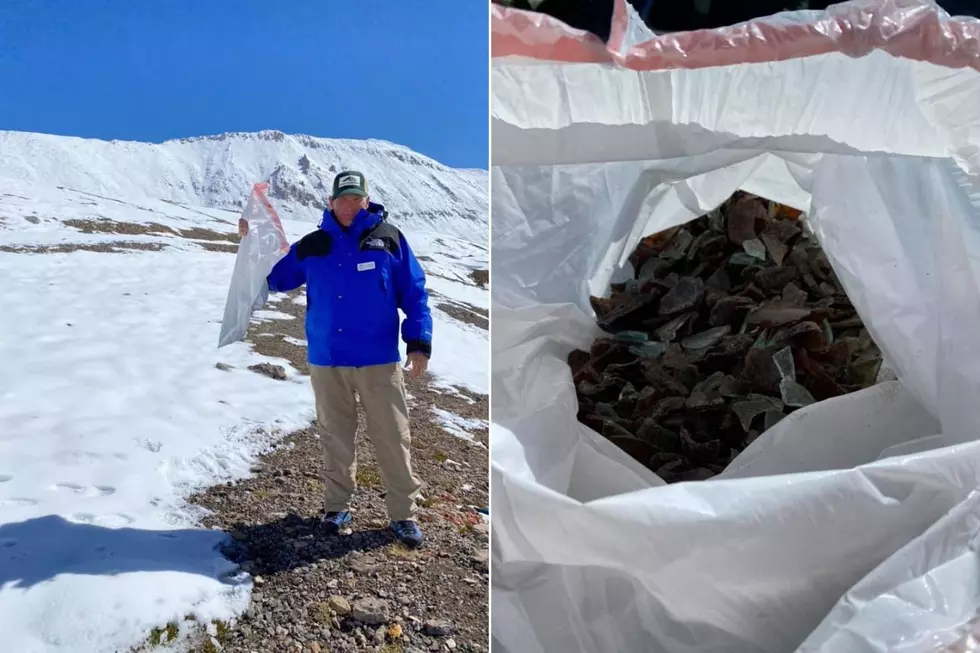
[{"x": 218, "y": 172}]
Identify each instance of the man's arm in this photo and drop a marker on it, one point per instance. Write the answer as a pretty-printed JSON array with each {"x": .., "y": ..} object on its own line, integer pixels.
[
  {"x": 288, "y": 274},
  {"x": 413, "y": 299}
]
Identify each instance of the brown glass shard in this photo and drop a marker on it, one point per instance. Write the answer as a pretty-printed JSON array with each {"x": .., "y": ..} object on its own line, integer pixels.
[
  {"x": 730, "y": 310},
  {"x": 742, "y": 217},
  {"x": 793, "y": 296},
  {"x": 772, "y": 280},
  {"x": 774, "y": 314}
]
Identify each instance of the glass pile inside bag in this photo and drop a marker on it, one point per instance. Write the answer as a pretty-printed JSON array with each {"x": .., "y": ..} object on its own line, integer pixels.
[{"x": 733, "y": 321}]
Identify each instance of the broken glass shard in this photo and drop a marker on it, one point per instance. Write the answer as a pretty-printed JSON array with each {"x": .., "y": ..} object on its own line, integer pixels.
[
  {"x": 682, "y": 297},
  {"x": 748, "y": 410},
  {"x": 794, "y": 394},
  {"x": 631, "y": 336},
  {"x": 677, "y": 248},
  {"x": 706, "y": 338},
  {"x": 793, "y": 296},
  {"x": 652, "y": 349},
  {"x": 774, "y": 314},
  {"x": 784, "y": 363},
  {"x": 668, "y": 332},
  {"x": 755, "y": 249}
]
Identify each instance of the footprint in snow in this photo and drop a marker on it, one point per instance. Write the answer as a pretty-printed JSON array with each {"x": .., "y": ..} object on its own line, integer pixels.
[
  {"x": 17, "y": 501},
  {"x": 86, "y": 490},
  {"x": 115, "y": 520}
]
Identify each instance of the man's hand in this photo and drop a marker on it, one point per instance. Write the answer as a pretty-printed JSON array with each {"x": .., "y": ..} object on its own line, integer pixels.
[
  {"x": 242, "y": 227},
  {"x": 417, "y": 364}
]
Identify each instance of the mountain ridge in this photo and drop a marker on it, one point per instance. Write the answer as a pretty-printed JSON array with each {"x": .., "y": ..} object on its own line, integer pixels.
[{"x": 218, "y": 170}]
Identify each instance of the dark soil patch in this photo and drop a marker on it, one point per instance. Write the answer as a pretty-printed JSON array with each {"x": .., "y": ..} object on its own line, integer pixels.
[
  {"x": 113, "y": 247},
  {"x": 464, "y": 313},
  {"x": 220, "y": 247},
  {"x": 480, "y": 277},
  {"x": 105, "y": 226}
]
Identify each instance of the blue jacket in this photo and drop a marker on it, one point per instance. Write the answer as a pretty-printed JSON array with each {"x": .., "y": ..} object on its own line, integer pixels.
[{"x": 356, "y": 280}]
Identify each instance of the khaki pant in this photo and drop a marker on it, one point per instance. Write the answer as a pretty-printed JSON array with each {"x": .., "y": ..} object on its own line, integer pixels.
[{"x": 381, "y": 391}]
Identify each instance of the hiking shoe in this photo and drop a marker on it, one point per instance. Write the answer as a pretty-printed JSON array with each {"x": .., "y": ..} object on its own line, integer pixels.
[
  {"x": 332, "y": 522},
  {"x": 408, "y": 533}
]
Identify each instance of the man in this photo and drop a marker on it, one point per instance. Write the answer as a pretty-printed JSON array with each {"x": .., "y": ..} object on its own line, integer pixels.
[{"x": 359, "y": 270}]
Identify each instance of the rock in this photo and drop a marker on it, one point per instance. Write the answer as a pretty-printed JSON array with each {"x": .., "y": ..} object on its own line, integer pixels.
[
  {"x": 370, "y": 611},
  {"x": 332, "y": 584},
  {"x": 379, "y": 635},
  {"x": 216, "y": 644},
  {"x": 481, "y": 559},
  {"x": 259, "y": 581},
  {"x": 482, "y": 528},
  {"x": 438, "y": 628},
  {"x": 224, "y": 367},
  {"x": 277, "y": 372},
  {"x": 451, "y": 644},
  {"x": 339, "y": 604},
  {"x": 363, "y": 565},
  {"x": 315, "y": 648}
]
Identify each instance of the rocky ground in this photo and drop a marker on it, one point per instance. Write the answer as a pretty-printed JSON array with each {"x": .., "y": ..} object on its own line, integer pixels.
[{"x": 359, "y": 591}]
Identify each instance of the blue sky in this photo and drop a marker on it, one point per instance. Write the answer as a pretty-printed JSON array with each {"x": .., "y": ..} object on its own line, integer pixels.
[{"x": 410, "y": 71}]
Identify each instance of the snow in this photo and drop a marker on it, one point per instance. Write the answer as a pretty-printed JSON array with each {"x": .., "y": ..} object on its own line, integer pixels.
[
  {"x": 265, "y": 315},
  {"x": 112, "y": 412},
  {"x": 461, "y": 427},
  {"x": 112, "y": 409}
]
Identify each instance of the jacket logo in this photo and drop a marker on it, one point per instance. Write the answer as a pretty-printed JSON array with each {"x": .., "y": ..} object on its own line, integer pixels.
[
  {"x": 374, "y": 243},
  {"x": 368, "y": 265}
]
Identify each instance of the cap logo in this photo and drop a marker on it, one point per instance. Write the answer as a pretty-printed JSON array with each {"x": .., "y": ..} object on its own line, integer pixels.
[{"x": 349, "y": 180}]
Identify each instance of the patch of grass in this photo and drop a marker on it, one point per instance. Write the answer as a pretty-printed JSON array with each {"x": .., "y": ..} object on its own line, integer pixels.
[
  {"x": 440, "y": 456},
  {"x": 323, "y": 613},
  {"x": 399, "y": 550},
  {"x": 222, "y": 629},
  {"x": 368, "y": 476},
  {"x": 156, "y": 637},
  {"x": 392, "y": 648},
  {"x": 160, "y": 636},
  {"x": 207, "y": 646}
]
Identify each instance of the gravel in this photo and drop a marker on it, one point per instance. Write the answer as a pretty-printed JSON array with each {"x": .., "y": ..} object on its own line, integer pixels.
[{"x": 360, "y": 590}]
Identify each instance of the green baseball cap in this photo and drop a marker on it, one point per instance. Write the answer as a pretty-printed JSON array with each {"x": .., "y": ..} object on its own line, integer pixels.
[{"x": 350, "y": 182}]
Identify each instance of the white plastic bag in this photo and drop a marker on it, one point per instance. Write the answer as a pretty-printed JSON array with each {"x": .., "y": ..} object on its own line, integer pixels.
[
  {"x": 863, "y": 116},
  {"x": 261, "y": 248}
]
